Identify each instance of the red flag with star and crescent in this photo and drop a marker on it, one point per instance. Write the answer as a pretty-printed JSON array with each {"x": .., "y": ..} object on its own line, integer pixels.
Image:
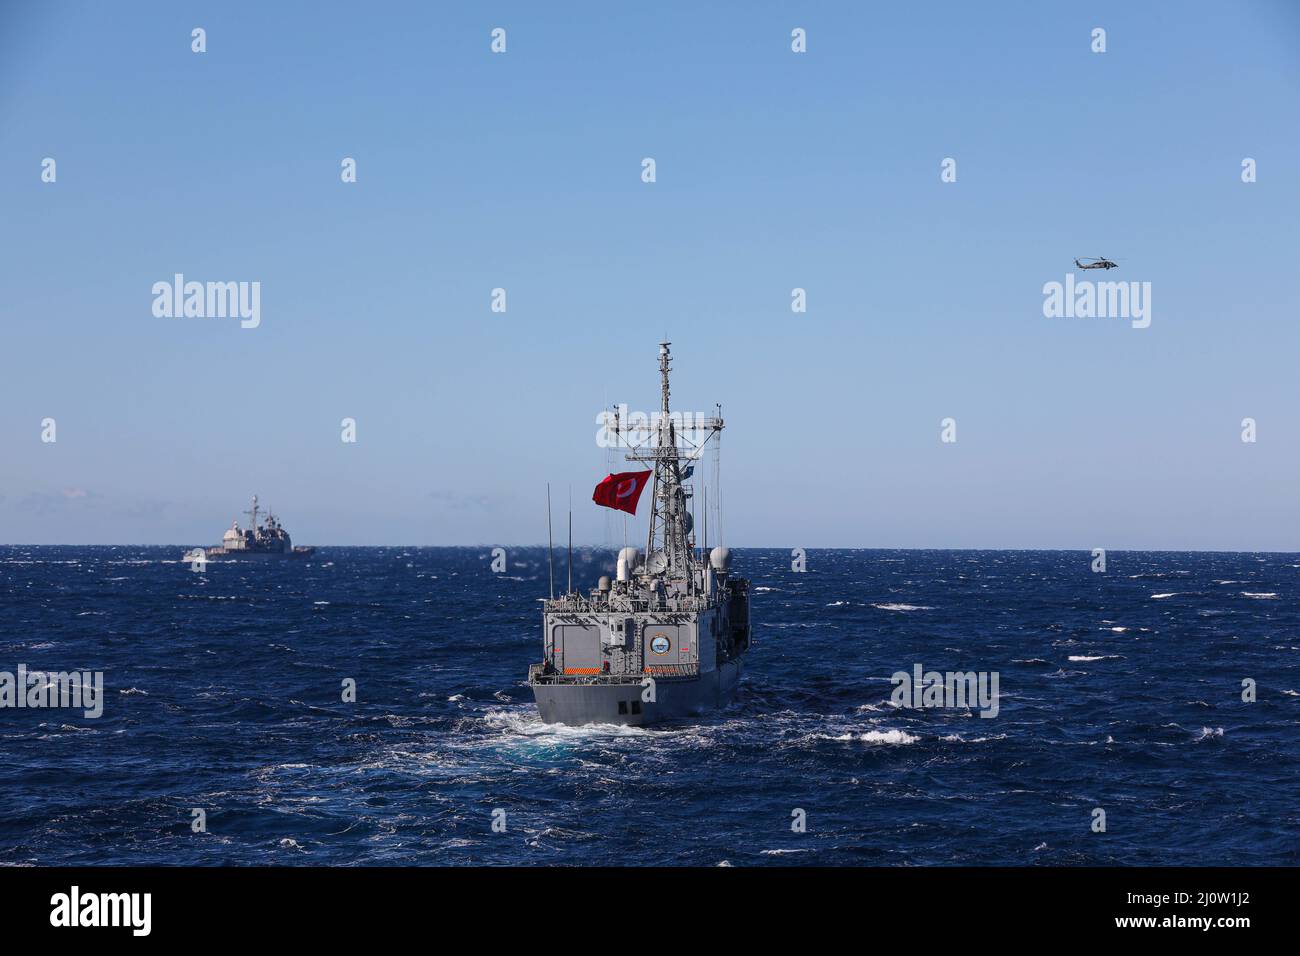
[{"x": 621, "y": 491}]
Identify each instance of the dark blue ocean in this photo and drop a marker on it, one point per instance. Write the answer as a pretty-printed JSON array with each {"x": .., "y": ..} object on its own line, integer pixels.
[{"x": 1120, "y": 691}]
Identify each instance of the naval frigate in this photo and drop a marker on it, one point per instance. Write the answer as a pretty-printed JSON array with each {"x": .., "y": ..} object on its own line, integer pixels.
[{"x": 668, "y": 636}]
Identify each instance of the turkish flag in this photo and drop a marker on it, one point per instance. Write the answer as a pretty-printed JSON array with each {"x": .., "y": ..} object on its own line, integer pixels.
[{"x": 621, "y": 491}]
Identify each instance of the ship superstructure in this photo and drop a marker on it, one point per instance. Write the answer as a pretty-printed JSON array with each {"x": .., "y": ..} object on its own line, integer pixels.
[
  {"x": 267, "y": 540},
  {"x": 667, "y": 637}
]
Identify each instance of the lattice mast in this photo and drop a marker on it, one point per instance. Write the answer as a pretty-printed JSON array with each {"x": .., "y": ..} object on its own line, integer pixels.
[{"x": 668, "y": 540}]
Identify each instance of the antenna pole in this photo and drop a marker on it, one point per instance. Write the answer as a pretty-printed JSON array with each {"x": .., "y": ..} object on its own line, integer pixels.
[
  {"x": 705, "y": 489},
  {"x": 550, "y": 550},
  {"x": 695, "y": 526},
  {"x": 717, "y": 480},
  {"x": 570, "y": 591}
]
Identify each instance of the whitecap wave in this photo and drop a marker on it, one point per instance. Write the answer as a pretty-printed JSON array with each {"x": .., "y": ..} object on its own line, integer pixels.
[{"x": 896, "y": 737}]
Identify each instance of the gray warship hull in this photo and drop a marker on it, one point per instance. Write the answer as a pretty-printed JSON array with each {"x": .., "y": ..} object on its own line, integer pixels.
[
  {"x": 621, "y": 702},
  {"x": 221, "y": 554}
]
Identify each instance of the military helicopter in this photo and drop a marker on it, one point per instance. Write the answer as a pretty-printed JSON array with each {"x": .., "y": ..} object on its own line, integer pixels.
[{"x": 1098, "y": 262}]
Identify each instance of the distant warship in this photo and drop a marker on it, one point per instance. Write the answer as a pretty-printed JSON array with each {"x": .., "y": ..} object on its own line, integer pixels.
[
  {"x": 269, "y": 541},
  {"x": 665, "y": 639}
]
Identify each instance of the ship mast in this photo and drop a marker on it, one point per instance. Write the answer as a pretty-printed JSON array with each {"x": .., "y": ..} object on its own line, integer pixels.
[
  {"x": 253, "y": 513},
  {"x": 668, "y": 539}
]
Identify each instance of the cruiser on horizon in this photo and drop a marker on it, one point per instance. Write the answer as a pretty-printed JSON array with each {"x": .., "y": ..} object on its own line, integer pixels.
[{"x": 269, "y": 541}]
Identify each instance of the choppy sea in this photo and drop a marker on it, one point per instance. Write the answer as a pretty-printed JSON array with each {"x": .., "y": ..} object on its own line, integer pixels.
[{"x": 1119, "y": 691}]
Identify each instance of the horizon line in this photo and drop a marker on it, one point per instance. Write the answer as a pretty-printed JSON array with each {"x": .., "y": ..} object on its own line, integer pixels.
[{"x": 613, "y": 548}]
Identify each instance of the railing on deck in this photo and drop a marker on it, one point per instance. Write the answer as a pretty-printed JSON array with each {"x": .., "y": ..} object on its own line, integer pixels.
[
  {"x": 673, "y": 670},
  {"x": 537, "y": 675}
]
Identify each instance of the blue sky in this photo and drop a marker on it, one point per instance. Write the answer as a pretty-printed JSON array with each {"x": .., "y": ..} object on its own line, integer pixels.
[{"x": 774, "y": 171}]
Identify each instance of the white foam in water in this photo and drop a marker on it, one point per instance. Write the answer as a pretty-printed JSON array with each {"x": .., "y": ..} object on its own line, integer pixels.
[
  {"x": 524, "y": 723},
  {"x": 902, "y": 607},
  {"x": 1261, "y": 595},
  {"x": 881, "y": 737},
  {"x": 1161, "y": 597},
  {"x": 1207, "y": 732}
]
